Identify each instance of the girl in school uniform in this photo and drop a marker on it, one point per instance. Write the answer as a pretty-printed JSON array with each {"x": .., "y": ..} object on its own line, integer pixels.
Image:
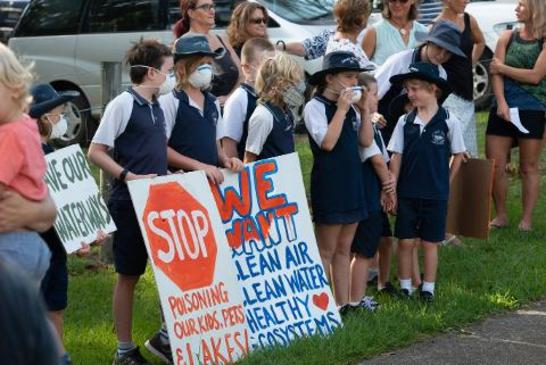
[
  {"x": 336, "y": 128},
  {"x": 192, "y": 114},
  {"x": 280, "y": 88}
]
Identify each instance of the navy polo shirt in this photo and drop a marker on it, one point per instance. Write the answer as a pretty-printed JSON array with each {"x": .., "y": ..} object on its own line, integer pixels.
[
  {"x": 424, "y": 171},
  {"x": 135, "y": 129}
]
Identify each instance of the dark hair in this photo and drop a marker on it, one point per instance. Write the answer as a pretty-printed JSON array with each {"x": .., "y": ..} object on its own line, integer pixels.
[
  {"x": 183, "y": 25},
  {"x": 146, "y": 52},
  {"x": 351, "y": 15},
  {"x": 240, "y": 18},
  {"x": 412, "y": 15},
  {"x": 27, "y": 337},
  {"x": 253, "y": 46}
]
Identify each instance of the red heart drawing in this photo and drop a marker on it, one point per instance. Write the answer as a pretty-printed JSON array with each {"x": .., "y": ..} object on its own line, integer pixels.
[{"x": 321, "y": 301}]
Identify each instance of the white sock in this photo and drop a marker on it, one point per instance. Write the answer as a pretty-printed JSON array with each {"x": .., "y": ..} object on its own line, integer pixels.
[
  {"x": 412, "y": 290},
  {"x": 124, "y": 347},
  {"x": 405, "y": 284},
  {"x": 428, "y": 287}
]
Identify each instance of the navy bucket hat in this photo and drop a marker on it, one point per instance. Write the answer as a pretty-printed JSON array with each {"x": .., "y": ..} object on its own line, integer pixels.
[
  {"x": 195, "y": 44},
  {"x": 426, "y": 72},
  {"x": 443, "y": 34},
  {"x": 45, "y": 98},
  {"x": 337, "y": 62}
]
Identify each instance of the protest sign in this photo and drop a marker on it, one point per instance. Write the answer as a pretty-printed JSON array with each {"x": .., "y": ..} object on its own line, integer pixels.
[
  {"x": 269, "y": 229},
  {"x": 82, "y": 212},
  {"x": 198, "y": 288},
  {"x": 469, "y": 204}
]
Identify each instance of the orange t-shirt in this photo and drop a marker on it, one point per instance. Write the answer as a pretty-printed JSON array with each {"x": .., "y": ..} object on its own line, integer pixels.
[{"x": 22, "y": 162}]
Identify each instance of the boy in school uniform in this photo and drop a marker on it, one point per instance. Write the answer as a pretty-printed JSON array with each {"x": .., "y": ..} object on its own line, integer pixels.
[
  {"x": 133, "y": 127},
  {"x": 422, "y": 144},
  {"x": 241, "y": 104}
]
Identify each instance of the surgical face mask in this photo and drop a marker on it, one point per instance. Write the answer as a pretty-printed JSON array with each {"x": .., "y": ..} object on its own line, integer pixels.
[
  {"x": 293, "y": 96},
  {"x": 59, "y": 129},
  {"x": 201, "y": 78},
  {"x": 357, "y": 94},
  {"x": 168, "y": 85}
]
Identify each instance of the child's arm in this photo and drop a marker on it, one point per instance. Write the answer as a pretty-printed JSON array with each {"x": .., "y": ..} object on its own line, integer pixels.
[
  {"x": 336, "y": 125},
  {"x": 365, "y": 134},
  {"x": 455, "y": 166},
  {"x": 394, "y": 166},
  {"x": 98, "y": 155},
  {"x": 230, "y": 128},
  {"x": 387, "y": 180},
  {"x": 232, "y": 163},
  {"x": 457, "y": 147},
  {"x": 229, "y": 146},
  {"x": 16, "y": 212},
  {"x": 185, "y": 163}
]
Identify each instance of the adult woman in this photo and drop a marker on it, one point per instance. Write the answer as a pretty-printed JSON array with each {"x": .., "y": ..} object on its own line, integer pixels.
[
  {"x": 519, "y": 70},
  {"x": 351, "y": 18},
  {"x": 459, "y": 70},
  {"x": 395, "y": 32},
  {"x": 198, "y": 17},
  {"x": 249, "y": 20}
]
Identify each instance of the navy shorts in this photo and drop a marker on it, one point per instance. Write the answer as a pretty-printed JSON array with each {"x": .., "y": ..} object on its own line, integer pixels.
[
  {"x": 421, "y": 218},
  {"x": 368, "y": 235},
  {"x": 533, "y": 120},
  {"x": 130, "y": 256},
  {"x": 55, "y": 282}
]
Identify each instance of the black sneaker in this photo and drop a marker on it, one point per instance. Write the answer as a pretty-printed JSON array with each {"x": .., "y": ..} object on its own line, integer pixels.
[
  {"x": 404, "y": 294},
  {"x": 426, "y": 296},
  {"x": 133, "y": 357},
  {"x": 346, "y": 309},
  {"x": 389, "y": 290},
  {"x": 159, "y": 349}
]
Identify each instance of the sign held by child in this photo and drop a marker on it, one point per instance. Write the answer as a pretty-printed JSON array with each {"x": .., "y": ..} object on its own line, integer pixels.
[{"x": 82, "y": 213}]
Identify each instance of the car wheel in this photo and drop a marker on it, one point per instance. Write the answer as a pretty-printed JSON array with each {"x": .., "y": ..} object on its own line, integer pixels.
[
  {"x": 79, "y": 120},
  {"x": 482, "y": 83}
]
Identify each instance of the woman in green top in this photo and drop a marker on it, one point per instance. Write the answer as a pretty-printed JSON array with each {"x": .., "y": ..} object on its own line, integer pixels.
[{"x": 519, "y": 71}]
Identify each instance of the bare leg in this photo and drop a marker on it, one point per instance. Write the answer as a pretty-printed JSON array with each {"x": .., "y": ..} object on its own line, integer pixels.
[
  {"x": 498, "y": 148},
  {"x": 56, "y": 318},
  {"x": 415, "y": 270},
  {"x": 529, "y": 150},
  {"x": 385, "y": 256},
  {"x": 430, "y": 261},
  {"x": 341, "y": 263},
  {"x": 405, "y": 258},
  {"x": 359, "y": 277},
  {"x": 123, "y": 306},
  {"x": 327, "y": 236}
]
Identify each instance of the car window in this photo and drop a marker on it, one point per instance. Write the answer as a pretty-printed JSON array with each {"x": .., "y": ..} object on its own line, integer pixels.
[
  {"x": 106, "y": 16},
  {"x": 301, "y": 11},
  {"x": 50, "y": 17}
]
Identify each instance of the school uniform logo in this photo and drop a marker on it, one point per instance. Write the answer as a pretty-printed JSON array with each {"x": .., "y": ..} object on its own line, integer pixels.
[
  {"x": 438, "y": 138},
  {"x": 214, "y": 117}
]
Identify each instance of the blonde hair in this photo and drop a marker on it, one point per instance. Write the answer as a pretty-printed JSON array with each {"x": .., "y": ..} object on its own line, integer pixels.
[
  {"x": 537, "y": 10},
  {"x": 274, "y": 75},
  {"x": 16, "y": 77},
  {"x": 429, "y": 86}
]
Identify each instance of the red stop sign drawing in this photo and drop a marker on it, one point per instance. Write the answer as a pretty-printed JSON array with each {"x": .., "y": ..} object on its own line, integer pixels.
[{"x": 181, "y": 236}]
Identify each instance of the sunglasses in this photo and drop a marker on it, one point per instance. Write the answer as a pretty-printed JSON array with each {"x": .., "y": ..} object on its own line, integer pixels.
[
  {"x": 398, "y": 1},
  {"x": 206, "y": 7},
  {"x": 259, "y": 21}
]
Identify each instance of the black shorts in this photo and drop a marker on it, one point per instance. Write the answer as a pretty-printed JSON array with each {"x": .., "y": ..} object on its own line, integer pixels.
[
  {"x": 421, "y": 218},
  {"x": 368, "y": 235},
  {"x": 55, "y": 282},
  {"x": 387, "y": 230},
  {"x": 533, "y": 120},
  {"x": 130, "y": 255}
]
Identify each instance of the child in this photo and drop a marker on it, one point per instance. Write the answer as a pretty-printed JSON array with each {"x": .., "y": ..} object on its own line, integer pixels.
[
  {"x": 241, "y": 104},
  {"x": 47, "y": 108},
  {"x": 192, "y": 114},
  {"x": 271, "y": 128},
  {"x": 379, "y": 192},
  {"x": 422, "y": 143},
  {"x": 337, "y": 188},
  {"x": 133, "y": 126},
  {"x": 22, "y": 165}
]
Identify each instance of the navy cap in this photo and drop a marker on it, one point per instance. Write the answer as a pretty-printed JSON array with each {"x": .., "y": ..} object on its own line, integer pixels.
[
  {"x": 424, "y": 71},
  {"x": 334, "y": 62},
  {"x": 195, "y": 44},
  {"x": 443, "y": 34},
  {"x": 45, "y": 98}
]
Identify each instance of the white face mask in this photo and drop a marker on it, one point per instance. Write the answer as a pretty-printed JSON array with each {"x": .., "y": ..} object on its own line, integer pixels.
[
  {"x": 168, "y": 85},
  {"x": 59, "y": 129},
  {"x": 201, "y": 77}
]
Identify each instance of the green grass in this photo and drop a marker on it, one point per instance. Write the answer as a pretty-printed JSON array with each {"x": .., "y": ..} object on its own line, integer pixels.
[{"x": 478, "y": 280}]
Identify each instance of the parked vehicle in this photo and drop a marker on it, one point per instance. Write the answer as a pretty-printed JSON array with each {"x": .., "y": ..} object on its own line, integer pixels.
[
  {"x": 10, "y": 12},
  {"x": 69, "y": 39}
]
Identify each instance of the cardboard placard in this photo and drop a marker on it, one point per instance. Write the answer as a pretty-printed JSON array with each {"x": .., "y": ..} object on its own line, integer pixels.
[
  {"x": 198, "y": 289},
  {"x": 82, "y": 212},
  {"x": 267, "y": 222},
  {"x": 469, "y": 208}
]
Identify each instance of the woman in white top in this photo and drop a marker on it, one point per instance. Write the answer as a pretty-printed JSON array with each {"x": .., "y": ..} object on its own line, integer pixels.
[
  {"x": 351, "y": 18},
  {"x": 395, "y": 33}
]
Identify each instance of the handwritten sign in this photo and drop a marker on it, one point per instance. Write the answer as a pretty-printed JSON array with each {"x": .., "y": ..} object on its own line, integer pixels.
[
  {"x": 82, "y": 212},
  {"x": 198, "y": 288},
  {"x": 269, "y": 229}
]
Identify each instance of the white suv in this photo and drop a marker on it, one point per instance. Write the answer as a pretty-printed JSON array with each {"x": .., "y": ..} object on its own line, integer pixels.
[{"x": 69, "y": 39}]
